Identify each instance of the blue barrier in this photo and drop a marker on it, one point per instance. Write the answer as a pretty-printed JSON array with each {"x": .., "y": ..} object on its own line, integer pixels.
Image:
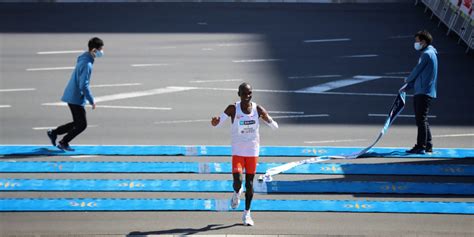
[
  {"x": 126, "y": 185},
  {"x": 297, "y": 151},
  {"x": 87, "y": 204},
  {"x": 220, "y": 167}
]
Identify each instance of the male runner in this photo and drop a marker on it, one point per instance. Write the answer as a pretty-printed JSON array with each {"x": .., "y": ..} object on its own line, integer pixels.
[{"x": 245, "y": 144}]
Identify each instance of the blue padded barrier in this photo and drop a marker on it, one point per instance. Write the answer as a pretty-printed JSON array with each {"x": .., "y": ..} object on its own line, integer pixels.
[
  {"x": 87, "y": 204},
  {"x": 220, "y": 167},
  {"x": 297, "y": 151},
  {"x": 121, "y": 185}
]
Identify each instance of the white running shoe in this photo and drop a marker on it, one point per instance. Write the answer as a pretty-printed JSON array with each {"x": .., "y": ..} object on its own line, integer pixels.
[
  {"x": 247, "y": 219},
  {"x": 235, "y": 201}
]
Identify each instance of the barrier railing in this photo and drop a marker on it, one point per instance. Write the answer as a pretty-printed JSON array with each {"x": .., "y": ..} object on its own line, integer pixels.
[{"x": 457, "y": 15}]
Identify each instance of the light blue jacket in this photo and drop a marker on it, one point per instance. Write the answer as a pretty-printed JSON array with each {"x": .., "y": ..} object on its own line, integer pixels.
[
  {"x": 77, "y": 90},
  {"x": 425, "y": 74}
]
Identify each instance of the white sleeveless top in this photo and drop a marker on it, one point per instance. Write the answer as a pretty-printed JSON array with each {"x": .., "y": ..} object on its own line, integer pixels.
[{"x": 245, "y": 132}]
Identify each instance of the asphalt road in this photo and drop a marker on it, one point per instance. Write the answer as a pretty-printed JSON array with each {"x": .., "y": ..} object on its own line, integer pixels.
[{"x": 193, "y": 57}]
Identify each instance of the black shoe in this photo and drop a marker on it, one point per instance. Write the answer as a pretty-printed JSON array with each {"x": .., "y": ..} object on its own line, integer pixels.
[
  {"x": 416, "y": 150},
  {"x": 429, "y": 148},
  {"x": 52, "y": 136},
  {"x": 64, "y": 147}
]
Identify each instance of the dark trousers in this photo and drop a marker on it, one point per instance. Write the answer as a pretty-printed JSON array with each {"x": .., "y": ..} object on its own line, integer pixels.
[
  {"x": 422, "y": 104},
  {"x": 74, "y": 128}
]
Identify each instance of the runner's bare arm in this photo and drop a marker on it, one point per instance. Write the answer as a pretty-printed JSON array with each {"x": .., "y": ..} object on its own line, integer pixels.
[
  {"x": 262, "y": 113},
  {"x": 228, "y": 112}
]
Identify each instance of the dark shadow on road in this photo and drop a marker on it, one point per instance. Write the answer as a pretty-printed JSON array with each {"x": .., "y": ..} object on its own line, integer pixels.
[
  {"x": 374, "y": 29},
  {"x": 184, "y": 231}
]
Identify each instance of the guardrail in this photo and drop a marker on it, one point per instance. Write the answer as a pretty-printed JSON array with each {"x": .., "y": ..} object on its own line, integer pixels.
[{"x": 457, "y": 15}]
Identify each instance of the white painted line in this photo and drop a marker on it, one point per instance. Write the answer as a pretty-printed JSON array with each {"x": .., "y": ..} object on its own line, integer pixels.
[
  {"x": 46, "y": 128},
  {"x": 61, "y": 52},
  {"x": 183, "y": 121},
  {"x": 340, "y": 83},
  {"x": 396, "y": 73},
  {"x": 301, "y": 116},
  {"x": 256, "y": 60},
  {"x": 132, "y": 107},
  {"x": 231, "y": 44},
  {"x": 17, "y": 90},
  {"x": 150, "y": 65},
  {"x": 135, "y": 94},
  {"x": 401, "y": 36},
  {"x": 313, "y": 76},
  {"x": 207, "y": 49},
  {"x": 116, "y": 85},
  {"x": 202, "y": 23},
  {"x": 166, "y": 47},
  {"x": 5, "y": 106},
  {"x": 395, "y": 77},
  {"x": 335, "y": 141},
  {"x": 401, "y": 115},
  {"x": 326, "y": 40},
  {"x": 212, "y": 81},
  {"x": 209, "y": 120},
  {"x": 361, "y": 56},
  {"x": 49, "y": 69},
  {"x": 296, "y": 92},
  {"x": 285, "y": 112},
  {"x": 455, "y": 135}
]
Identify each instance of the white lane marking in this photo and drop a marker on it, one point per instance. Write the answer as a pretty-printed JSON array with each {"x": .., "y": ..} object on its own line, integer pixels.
[
  {"x": 301, "y": 116},
  {"x": 135, "y": 94},
  {"x": 360, "y": 56},
  {"x": 183, "y": 121},
  {"x": 326, "y": 40},
  {"x": 132, "y": 107},
  {"x": 5, "y": 106},
  {"x": 335, "y": 141},
  {"x": 207, "y": 49},
  {"x": 46, "y": 128},
  {"x": 116, "y": 85},
  {"x": 231, "y": 44},
  {"x": 456, "y": 135},
  {"x": 401, "y": 115},
  {"x": 256, "y": 60},
  {"x": 285, "y": 112},
  {"x": 400, "y": 36},
  {"x": 166, "y": 47},
  {"x": 202, "y": 23},
  {"x": 296, "y": 91},
  {"x": 340, "y": 83},
  {"x": 313, "y": 76},
  {"x": 212, "y": 81},
  {"x": 396, "y": 73},
  {"x": 150, "y": 65},
  {"x": 209, "y": 120},
  {"x": 49, "y": 69},
  {"x": 61, "y": 52},
  {"x": 17, "y": 90}
]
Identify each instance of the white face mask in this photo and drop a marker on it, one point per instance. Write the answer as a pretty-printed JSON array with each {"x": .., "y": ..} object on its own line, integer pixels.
[
  {"x": 99, "y": 53},
  {"x": 418, "y": 46}
]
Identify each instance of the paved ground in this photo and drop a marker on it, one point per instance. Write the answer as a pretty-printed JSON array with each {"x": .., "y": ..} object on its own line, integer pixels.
[{"x": 198, "y": 54}]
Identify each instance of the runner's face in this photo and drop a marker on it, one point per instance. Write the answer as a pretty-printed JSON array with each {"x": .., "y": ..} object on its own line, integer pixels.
[{"x": 246, "y": 94}]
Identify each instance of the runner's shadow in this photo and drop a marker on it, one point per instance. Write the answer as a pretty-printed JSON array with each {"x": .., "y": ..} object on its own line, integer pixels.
[
  {"x": 386, "y": 154},
  {"x": 43, "y": 151},
  {"x": 184, "y": 231}
]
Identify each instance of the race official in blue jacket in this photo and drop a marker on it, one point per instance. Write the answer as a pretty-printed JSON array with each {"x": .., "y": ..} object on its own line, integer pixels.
[
  {"x": 423, "y": 79},
  {"x": 76, "y": 94}
]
